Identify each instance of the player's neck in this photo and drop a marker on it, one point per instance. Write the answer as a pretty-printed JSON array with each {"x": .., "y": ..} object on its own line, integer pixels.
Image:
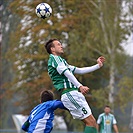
[{"x": 57, "y": 54}]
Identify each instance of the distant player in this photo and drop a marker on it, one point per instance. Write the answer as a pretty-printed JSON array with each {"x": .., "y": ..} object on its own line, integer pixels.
[
  {"x": 41, "y": 117},
  {"x": 107, "y": 122},
  {"x": 62, "y": 75}
]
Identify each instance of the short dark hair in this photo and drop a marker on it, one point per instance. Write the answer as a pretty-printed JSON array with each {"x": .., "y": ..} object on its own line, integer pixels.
[
  {"x": 107, "y": 106},
  {"x": 46, "y": 95},
  {"x": 49, "y": 44}
]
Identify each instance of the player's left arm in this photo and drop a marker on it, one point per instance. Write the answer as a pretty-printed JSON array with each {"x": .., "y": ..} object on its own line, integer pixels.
[
  {"x": 84, "y": 70},
  {"x": 115, "y": 125},
  {"x": 26, "y": 125},
  {"x": 101, "y": 60},
  {"x": 115, "y": 128},
  {"x": 58, "y": 104}
]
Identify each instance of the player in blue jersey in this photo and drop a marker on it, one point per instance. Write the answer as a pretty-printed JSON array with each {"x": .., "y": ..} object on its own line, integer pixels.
[
  {"x": 107, "y": 122},
  {"x": 62, "y": 75},
  {"x": 41, "y": 117}
]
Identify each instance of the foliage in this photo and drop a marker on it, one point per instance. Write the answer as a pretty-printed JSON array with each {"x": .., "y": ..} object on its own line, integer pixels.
[
  {"x": 7, "y": 26},
  {"x": 113, "y": 29},
  {"x": 30, "y": 58},
  {"x": 125, "y": 93},
  {"x": 88, "y": 29}
]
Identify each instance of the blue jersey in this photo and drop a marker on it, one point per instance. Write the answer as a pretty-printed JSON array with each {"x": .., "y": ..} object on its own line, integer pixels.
[{"x": 41, "y": 117}]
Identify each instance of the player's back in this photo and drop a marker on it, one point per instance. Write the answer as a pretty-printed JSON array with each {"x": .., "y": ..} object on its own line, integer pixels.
[{"x": 41, "y": 118}]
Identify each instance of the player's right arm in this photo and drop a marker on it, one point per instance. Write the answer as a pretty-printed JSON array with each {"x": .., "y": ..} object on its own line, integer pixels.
[
  {"x": 98, "y": 123},
  {"x": 72, "y": 78},
  {"x": 98, "y": 128},
  {"x": 115, "y": 128},
  {"x": 63, "y": 68}
]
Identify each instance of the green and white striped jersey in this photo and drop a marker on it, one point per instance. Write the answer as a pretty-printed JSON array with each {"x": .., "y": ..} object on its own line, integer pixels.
[
  {"x": 56, "y": 68},
  {"x": 106, "y": 122}
]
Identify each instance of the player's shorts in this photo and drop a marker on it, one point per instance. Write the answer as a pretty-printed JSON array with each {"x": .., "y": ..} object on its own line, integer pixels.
[{"x": 77, "y": 104}]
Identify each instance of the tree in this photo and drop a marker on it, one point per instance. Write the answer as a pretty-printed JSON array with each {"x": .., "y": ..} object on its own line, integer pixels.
[
  {"x": 113, "y": 27},
  {"x": 28, "y": 55},
  {"x": 0, "y": 66},
  {"x": 86, "y": 29},
  {"x": 7, "y": 25},
  {"x": 123, "y": 94}
]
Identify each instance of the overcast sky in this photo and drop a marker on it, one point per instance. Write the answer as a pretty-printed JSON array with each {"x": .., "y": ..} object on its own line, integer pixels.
[{"x": 129, "y": 45}]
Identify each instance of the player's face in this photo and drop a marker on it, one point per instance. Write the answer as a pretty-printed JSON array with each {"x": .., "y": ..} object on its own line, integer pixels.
[
  {"x": 107, "y": 110},
  {"x": 57, "y": 49}
]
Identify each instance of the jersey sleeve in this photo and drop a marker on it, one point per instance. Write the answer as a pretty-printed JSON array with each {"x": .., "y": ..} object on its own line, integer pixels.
[
  {"x": 59, "y": 64},
  {"x": 58, "y": 104},
  {"x": 84, "y": 70},
  {"x": 72, "y": 78},
  {"x": 99, "y": 119},
  {"x": 72, "y": 68},
  {"x": 114, "y": 120},
  {"x": 61, "y": 68},
  {"x": 26, "y": 125}
]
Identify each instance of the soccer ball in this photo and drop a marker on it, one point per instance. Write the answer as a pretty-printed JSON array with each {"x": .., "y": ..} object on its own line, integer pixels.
[{"x": 43, "y": 10}]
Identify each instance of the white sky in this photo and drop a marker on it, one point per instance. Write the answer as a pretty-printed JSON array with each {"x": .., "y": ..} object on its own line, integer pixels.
[{"x": 129, "y": 46}]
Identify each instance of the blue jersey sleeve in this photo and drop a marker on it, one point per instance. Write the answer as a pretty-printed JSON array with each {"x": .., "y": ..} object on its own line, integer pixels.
[
  {"x": 26, "y": 125},
  {"x": 58, "y": 104}
]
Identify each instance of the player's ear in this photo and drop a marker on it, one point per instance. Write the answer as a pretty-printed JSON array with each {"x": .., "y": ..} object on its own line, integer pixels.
[{"x": 52, "y": 49}]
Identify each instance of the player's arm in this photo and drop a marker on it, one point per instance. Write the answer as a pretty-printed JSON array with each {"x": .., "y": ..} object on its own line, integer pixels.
[
  {"x": 84, "y": 70},
  {"x": 98, "y": 128},
  {"x": 26, "y": 125},
  {"x": 58, "y": 104},
  {"x": 63, "y": 69},
  {"x": 115, "y": 125},
  {"x": 100, "y": 61},
  {"x": 72, "y": 78},
  {"x": 115, "y": 128},
  {"x": 98, "y": 123}
]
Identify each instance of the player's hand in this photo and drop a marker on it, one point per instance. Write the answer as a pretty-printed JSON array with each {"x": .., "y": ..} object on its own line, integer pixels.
[
  {"x": 84, "y": 89},
  {"x": 100, "y": 61}
]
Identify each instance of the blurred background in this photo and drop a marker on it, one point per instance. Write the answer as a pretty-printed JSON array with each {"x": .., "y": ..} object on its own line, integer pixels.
[{"x": 87, "y": 30}]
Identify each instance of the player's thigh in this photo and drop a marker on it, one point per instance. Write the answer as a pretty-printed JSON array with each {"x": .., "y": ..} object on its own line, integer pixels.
[
  {"x": 77, "y": 104},
  {"x": 90, "y": 121}
]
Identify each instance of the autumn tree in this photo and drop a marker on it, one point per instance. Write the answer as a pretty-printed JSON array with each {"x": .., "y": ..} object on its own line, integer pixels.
[
  {"x": 28, "y": 54},
  {"x": 88, "y": 29},
  {"x": 110, "y": 29},
  {"x": 7, "y": 25}
]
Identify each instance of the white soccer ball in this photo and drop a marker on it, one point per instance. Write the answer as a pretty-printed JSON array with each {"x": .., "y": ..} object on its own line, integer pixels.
[{"x": 43, "y": 10}]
